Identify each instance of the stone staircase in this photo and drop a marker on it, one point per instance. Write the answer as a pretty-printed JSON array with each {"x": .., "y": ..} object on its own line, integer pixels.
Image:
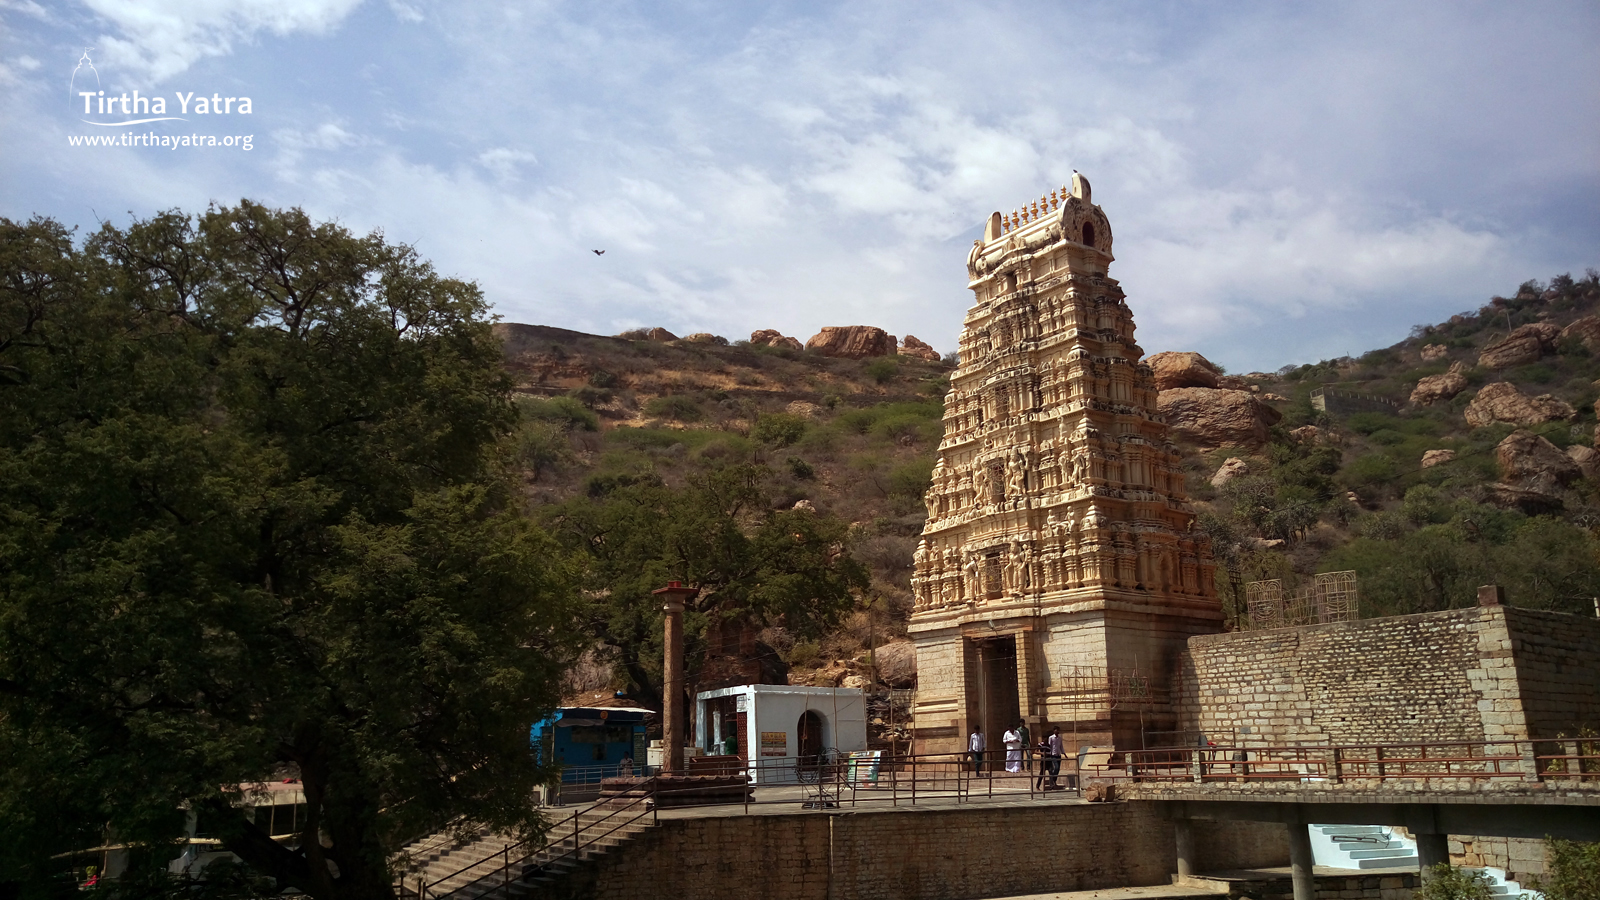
[
  {"x": 475, "y": 866},
  {"x": 1377, "y": 847},
  {"x": 1361, "y": 847}
]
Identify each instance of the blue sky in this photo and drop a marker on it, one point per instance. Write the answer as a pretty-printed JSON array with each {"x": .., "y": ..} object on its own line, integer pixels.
[{"x": 1286, "y": 182}]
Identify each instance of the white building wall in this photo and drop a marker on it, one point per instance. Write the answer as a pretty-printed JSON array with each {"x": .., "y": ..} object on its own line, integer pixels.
[{"x": 777, "y": 708}]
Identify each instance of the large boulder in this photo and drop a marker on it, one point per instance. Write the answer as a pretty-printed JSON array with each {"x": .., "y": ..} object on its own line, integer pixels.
[
  {"x": 706, "y": 337},
  {"x": 1520, "y": 347},
  {"x": 852, "y": 342},
  {"x": 766, "y": 337},
  {"x": 1431, "y": 352},
  {"x": 1502, "y": 402},
  {"x": 1175, "y": 369},
  {"x": 1532, "y": 503},
  {"x": 1431, "y": 458},
  {"x": 1531, "y": 463},
  {"x": 1230, "y": 470},
  {"x": 1586, "y": 329},
  {"x": 660, "y": 335},
  {"x": 918, "y": 350},
  {"x": 1215, "y": 417},
  {"x": 1435, "y": 388},
  {"x": 1586, "y": 458},
  {"x": 897, "y": 664}
]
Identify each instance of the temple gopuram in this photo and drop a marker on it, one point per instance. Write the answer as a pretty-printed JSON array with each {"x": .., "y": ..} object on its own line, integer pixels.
[{"x": 1059, "y": 574}]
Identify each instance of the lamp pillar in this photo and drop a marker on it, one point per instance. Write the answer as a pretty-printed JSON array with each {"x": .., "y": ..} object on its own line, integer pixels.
[{"x": 672, "y": 601}]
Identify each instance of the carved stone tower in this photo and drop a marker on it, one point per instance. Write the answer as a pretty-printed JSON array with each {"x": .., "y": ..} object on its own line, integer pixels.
[{"x": 1059, "y": 575}]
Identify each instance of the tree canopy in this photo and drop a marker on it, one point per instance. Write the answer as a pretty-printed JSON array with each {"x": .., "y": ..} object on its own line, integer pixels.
[
  {"x": 256, "y": 523},
  {"x": 631, "y": 534}
]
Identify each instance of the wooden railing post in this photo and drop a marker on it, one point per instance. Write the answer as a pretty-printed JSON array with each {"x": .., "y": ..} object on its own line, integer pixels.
[{"x": 1336, "y": 765}]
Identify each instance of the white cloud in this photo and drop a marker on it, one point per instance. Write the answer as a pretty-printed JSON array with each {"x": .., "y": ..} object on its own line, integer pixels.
[
  {"x": 26, "y": 7},
  {"x": 162, "y": 38},
  {"x": 506, "y": 163},
  {"x": 1277, "y": 181}
]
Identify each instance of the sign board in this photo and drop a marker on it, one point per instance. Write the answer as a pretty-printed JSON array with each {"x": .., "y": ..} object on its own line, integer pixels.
[
  {"x": 774, "y": 743},
  {"x": 741, "y": 703}
]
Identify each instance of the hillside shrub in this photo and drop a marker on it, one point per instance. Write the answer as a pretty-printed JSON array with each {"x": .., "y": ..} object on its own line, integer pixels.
[
  {"x": 912, "y": 479},
  {"x": 778, "y": 429},
  {"x": 883, "y": 369},
  {"x": 1446, "y": 882},
  {"x": 800, "y": 469},
  {"x": 676, "y": 407},
  {"x": 1372, "y": 470},
  {"x": 566, "y": 412},
  {"x": 1574, "y": 871}
]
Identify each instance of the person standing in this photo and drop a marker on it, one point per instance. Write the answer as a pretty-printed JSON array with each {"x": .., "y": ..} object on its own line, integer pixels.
[
  {"x": 975, "y": 745},
  {"x": 1027, "y": 746},
  {"x": 1013, "y": 741},
  {"x": 1052, "y": 757}
]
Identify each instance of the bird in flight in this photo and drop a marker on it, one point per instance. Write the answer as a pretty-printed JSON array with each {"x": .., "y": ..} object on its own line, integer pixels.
[{"x": 598, "y": 252}]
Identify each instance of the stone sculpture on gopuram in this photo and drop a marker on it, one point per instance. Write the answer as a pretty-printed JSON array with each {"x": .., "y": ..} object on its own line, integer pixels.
[{"x": 1070, "y": 568}]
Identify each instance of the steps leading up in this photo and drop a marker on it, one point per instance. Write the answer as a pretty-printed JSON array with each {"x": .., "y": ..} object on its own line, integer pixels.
[
  {"x": 475, "y": 866},
  {"x": 1378, "y": 847}
]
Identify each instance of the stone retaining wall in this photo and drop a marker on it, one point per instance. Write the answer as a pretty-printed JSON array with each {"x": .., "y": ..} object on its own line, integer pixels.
[
  {"x": 916, "y": 854},
  {"x": 1435, "y": 676}
]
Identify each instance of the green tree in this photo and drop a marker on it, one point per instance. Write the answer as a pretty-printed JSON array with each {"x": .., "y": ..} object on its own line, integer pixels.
[
  {"x": 1446, "y": 882},
  {"x": 1574, "y": 871},
  {"x": 255, "y": 523},
  {"x": 717, "y": 533}
]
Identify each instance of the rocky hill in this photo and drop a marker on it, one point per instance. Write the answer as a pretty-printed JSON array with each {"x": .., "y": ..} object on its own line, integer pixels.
[
  {"x": 846, "y": 424},
  {"x": 1460, "y": 456}
]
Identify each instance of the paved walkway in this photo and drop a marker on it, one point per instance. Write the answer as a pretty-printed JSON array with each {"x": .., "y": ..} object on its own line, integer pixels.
[
  {"x": 1153, "y": 892},
  {"x": 792, "y": 799},
  {"x": 1217, "y": 889}
]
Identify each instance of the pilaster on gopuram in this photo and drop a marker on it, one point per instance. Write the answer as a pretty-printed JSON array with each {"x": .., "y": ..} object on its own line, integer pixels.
[{"x": 1057, "y": 488}]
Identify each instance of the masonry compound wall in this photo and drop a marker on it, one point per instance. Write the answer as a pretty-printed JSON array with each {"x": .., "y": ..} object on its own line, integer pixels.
[
  {"x": 1486, "y": 673},
  {"x": 916, "y": 854},
  {"x": 1480, "y": 674}
]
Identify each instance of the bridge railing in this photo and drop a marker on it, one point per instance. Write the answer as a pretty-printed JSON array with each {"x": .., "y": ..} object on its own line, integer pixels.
[{"x": 1574, "y": 762}]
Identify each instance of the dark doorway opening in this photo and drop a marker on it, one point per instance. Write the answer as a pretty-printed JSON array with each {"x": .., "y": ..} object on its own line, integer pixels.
[
  {"x": 1088, "y": 234},
  {"x": 810, "y": 731},
  {"x": 998, "y": 704}
]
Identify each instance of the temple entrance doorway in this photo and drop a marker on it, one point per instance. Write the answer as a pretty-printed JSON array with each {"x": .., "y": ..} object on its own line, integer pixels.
[
  {"x": 996, "y": 703},
  {"x": 810, "y": 737}
]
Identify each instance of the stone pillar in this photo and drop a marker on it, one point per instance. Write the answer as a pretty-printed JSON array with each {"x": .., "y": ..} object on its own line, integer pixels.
[
  {"x": 1183, "y": 832},
  {"x": 1300, "y": 862},
  {"x": 1027, "y": 664},
  {"x": 672, "y": 713},
  {"x": 1432, "y": 849}
]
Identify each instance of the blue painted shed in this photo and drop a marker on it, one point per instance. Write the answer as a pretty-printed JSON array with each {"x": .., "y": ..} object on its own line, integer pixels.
[{"x": 588, "y": 740}]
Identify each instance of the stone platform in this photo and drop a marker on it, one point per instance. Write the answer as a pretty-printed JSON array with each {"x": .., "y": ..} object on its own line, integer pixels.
[{"x": 676, "y": 790}]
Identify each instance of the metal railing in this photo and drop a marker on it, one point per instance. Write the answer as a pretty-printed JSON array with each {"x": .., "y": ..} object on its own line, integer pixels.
[
  {"x": 818, "y": 781},
  {"x": 570, "y": 830},
  {"x": 1469, "y": 762}
]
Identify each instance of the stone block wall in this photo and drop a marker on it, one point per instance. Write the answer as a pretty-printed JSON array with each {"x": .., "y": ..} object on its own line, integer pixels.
[
  {"x": 1444, "y": 676},
  {"x": 940, "y": 710},
  {"x": 1523, "y": 859},
  {"x": 1558, "y": 670},
  {"x": 916, "y": 854},
  {"x": 1484, "y": 673}
]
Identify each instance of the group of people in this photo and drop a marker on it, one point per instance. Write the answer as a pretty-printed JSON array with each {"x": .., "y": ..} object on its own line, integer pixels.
[{"x": 1017, "y": 748}]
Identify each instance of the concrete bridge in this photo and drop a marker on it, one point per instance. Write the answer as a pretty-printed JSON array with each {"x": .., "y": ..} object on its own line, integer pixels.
[{"x": 1521, "y": 789}]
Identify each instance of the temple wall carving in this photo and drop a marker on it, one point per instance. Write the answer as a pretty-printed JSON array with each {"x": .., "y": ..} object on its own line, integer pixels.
[{"x": 1057, "y": 511}]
